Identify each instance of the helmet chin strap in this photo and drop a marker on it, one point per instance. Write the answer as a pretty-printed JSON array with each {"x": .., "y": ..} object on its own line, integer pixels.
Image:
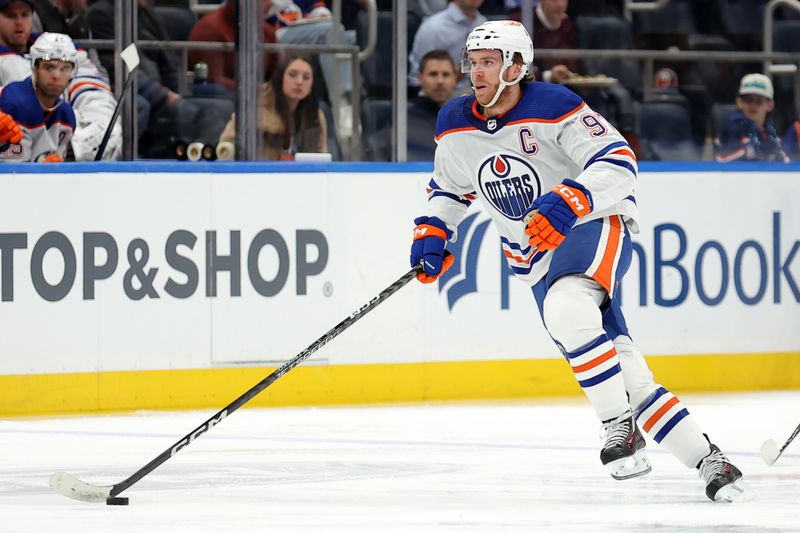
[{"x": 503, "y": 85}]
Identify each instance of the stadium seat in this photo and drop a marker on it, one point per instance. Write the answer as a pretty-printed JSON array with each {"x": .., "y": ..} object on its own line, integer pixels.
[
  {"x": 376, "y": 120},
  {"x": 178, "y": 21},
  {"x": 664, "y": 130},
  {"x": 671, "y": 96},
  {"x": 719, "y": 116},
  {"x": 376, "y": 71},
  {"x": 670, "y": 26},
  {"x": 596, "y": 33},
  {"x": 742, "y": 21}
]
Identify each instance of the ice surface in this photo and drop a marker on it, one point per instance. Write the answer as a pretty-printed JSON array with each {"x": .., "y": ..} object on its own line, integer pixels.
[{"x": 468, "y": 467}]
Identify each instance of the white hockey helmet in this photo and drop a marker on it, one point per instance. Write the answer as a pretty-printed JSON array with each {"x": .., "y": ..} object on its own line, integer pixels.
[
  {"x": 54, "y": 47},
  {"x": 508, "y": 37}
]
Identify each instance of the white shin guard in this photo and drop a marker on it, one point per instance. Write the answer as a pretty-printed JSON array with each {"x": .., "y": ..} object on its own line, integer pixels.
[{"x": 572, "y": 315}]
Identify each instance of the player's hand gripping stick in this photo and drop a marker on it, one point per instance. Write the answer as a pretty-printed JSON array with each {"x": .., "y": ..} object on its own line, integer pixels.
[
  {"x": 552, "y": 215},
  {"x": 430, "y": 237}
]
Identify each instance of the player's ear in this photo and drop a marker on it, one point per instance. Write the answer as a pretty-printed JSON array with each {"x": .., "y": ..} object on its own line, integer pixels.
[{"x": 513, "y": 71}]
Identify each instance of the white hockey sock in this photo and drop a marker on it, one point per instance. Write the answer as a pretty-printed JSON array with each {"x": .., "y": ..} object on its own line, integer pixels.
[
  {"x": 597, "y": 369},
  {"x": 668, "y": 422}
]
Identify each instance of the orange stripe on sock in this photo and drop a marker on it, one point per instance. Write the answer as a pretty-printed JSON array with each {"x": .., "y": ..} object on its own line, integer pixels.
[
  {"x": 658, "y": 414},
  {"x": 594, "y": 362},
  {"x": 603, "y": 273}
]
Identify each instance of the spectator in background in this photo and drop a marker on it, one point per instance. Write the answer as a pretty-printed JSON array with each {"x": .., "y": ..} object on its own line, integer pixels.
[
  {"x": 437, "y": 77},
  {"x": 791, "y": 141},
  {"x": 220, "y": 26},
  {"x": 36, "y": 122},
  {"x": 748, "y": 135},
  {"x": 174, "y": 118},
  {"x": 61, "y": 16},
  {"x": 446, "y": 30},
  {"x": 291, "y": 119},
  {"x": 310, "y": 22},
  {"x": 552, "y": 28}
]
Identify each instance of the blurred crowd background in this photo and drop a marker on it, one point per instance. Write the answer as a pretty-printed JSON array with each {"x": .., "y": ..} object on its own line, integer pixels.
[{"x": 677, "y": 82}]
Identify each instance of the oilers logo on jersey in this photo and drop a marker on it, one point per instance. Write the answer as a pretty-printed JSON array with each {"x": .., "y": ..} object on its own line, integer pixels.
[{"x": 509, "y": 183}]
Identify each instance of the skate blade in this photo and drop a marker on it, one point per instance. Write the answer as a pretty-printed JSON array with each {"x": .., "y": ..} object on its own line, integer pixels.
[
  {"x": 630, "y": 467},
  {"x": 733, "y": 493}
]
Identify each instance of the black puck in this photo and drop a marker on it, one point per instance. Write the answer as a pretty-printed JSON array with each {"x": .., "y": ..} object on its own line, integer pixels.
[{"x": 117, "y": 500}]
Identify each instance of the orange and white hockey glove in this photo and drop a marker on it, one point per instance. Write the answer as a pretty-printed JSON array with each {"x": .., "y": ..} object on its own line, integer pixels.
[
  {"x": 9, "y": 130},
  {"x": 552, "y": 215}
]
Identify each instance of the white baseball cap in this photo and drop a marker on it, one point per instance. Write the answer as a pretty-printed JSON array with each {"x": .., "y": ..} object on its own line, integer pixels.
[{"x": 756, "y": 84}]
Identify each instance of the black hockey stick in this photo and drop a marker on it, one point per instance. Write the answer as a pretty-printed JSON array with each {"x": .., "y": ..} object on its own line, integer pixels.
[
  {"x": 130, "y": 56},
  {"x": 770, "y": 451},
  {"x": 72, "y": 487}
]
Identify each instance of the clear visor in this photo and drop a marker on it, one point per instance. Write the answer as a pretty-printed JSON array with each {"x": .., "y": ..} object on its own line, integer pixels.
[
  {"x": 55, "y": 65},
  {"x": 466, "y": 62}
]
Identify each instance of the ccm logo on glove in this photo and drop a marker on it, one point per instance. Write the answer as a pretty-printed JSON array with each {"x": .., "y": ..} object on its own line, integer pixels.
[{"x": 575, "y": 199}]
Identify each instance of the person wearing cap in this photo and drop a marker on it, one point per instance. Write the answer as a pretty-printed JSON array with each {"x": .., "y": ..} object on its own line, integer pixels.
[{"x": 748, "y": 135}]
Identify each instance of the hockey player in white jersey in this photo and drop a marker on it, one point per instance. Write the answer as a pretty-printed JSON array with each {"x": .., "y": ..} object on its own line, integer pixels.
[
  {"x": 558, "y": 180},
  {"x": 36, "y": 107},
  {"x": 89, "y": 91}
]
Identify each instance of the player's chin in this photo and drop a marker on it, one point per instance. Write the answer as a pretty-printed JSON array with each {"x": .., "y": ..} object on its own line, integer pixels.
[{"x": 483, "y": 97}]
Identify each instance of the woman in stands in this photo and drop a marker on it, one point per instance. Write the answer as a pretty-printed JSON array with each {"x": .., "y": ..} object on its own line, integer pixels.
[{"x": 291, "y": 119}]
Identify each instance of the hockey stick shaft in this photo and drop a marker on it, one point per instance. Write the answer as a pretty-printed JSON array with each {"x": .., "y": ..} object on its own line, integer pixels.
[
  {"x": 791, "y": 438},
  {"x": 107, "y": 135},
  {"x": 266, "y": 382},
  {"x": 131, "y": 59}
]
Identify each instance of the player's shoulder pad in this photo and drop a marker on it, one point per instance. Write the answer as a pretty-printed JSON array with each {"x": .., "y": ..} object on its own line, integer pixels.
[
  {"x": 452, "y": 115},
  {"x": 6, "y": 51},
  {"x": 19, "y": 100},
  {"x": 546, "y": 102}
]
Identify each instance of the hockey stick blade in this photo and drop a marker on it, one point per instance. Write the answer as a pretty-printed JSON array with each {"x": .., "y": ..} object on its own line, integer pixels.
[
  {"x": 131, "y": 57},
  {"x": 769, "y": 452},
  {"x": 72, "y": 487}
]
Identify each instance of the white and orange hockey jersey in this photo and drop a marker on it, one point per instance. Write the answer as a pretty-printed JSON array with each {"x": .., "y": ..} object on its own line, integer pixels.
[
  {"x": 89, "y": 94},
  {"x": 44, "y": 132},
  {"x": 510, "y": 160}
]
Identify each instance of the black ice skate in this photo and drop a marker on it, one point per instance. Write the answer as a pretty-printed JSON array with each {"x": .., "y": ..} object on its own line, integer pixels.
[
  {"x": 623, "y": 453},
  {"x": 722, "y": 478}
]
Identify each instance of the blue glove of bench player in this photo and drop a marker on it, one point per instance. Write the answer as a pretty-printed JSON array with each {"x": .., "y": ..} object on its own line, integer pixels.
[{"x": 430, "y": 237}]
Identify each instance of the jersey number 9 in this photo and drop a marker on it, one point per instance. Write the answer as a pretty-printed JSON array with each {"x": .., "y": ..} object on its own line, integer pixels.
[{"x": 594, "y": 123}]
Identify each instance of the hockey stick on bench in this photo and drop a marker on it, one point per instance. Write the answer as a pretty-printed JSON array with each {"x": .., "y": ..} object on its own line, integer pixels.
[
  {"x": 770, "y": 451},
  {"x": 130, "y": 56},
  {"x": 72, "y": 487}
]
